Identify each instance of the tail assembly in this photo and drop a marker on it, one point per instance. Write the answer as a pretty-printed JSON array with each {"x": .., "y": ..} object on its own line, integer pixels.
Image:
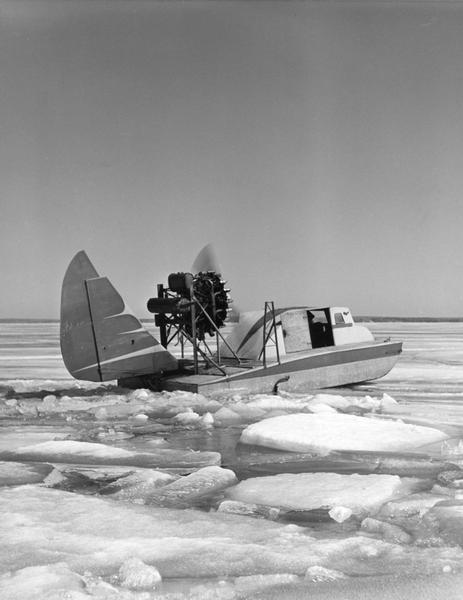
[{"x": 101, "y": 339}]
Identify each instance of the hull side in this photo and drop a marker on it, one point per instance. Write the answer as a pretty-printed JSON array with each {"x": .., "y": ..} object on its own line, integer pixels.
[{"x": 328, "y": 368}]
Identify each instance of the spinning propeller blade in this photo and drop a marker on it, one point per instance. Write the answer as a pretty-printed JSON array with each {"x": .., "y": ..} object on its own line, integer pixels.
[{"x": 207, "y": 261}]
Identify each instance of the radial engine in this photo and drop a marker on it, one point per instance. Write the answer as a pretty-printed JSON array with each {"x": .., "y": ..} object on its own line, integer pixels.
[{"x": 194, "y": 305}]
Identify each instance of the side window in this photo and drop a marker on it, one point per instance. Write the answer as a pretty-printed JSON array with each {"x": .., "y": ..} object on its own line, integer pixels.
[
  {"x": 338, "y": 318},
  {"x": 318, "y": 315}
]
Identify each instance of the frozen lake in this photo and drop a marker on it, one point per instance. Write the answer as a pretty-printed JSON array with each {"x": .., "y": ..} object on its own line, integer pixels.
[{"x": 109, "y": 493}]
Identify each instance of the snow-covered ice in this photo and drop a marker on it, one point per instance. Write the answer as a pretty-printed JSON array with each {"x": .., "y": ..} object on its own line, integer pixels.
[
  {"x": 172, "y": 491},
  {"x": 340, "y": 513},
  {"x": 91, "y": 507},
  {"x": 139, "y": 485},
  {"x": 323, "y": 574},
  {"x": 136, "y": 575},
  {"x": 66, "y": 448},
  {"x": 70, "y": 451},
  {"x": 46, "y": 582},
  {"x": 387, "y": 531},
  {"x": 97, "y": 535},
  {"x": 445, "y": 520},
  {"x": 327, "y": 432},
  {"x": 307, "y": 491}
]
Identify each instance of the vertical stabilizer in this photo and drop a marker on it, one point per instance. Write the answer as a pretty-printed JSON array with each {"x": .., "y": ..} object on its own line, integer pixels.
[{"x": 101, "y": 339}]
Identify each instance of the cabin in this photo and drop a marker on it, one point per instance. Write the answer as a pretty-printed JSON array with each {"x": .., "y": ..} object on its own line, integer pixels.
[{"x": 299, "y": 329}]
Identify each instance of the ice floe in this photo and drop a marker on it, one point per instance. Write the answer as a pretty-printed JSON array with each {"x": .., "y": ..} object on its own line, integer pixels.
[
  {"x": 308, "y": 491},
  {"x": 275, "y": 402},
  {"x": 404, "y": 511},
  {"x": 18, "y": 436},
  {"x": 126, "y": 483},
  {"x": 70, "y": 451},
  {"x": 387, "y": 531},
  {"x": 187, "y": 418},
  {"x": 251, "y": 584},
  {"x": 225, "y": 417},
  {"x": 115, "y": 535},
  {"x": 327, "y": 432},
  {"x": 144, "y": 486},
  {"x": 249, "y": 510},
  {"x": 188, "y": 490},
  {"x": 167, "y": 404},
  {"x": 138, "y": 485},
  {"x": 413, "y": 466},
  {"x": 444, "y": 521},
  {"x": 340, "y": 513},
  {"x": 136, "y": 575},
  {"x": 319, "y": 574},
  {"x": 44, "y": 582}
]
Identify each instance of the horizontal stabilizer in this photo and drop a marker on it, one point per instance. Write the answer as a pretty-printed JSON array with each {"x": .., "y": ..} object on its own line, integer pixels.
[{"x": 101, "y": 339}]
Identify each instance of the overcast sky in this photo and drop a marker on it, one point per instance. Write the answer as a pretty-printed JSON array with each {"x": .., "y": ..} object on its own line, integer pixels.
[{"x": 317, "y": 145}]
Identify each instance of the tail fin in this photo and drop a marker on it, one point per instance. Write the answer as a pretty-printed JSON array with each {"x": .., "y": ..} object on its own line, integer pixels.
[{"x": 101, "y": 339}]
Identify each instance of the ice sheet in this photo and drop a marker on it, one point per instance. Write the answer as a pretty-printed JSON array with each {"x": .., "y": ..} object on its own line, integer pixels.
[
  {"x": 39, "y": 402},
  {"x": 97, "y": 535}
]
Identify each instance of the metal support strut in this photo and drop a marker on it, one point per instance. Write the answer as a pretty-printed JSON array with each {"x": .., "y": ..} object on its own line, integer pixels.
[{"x": 269, "y": 331}]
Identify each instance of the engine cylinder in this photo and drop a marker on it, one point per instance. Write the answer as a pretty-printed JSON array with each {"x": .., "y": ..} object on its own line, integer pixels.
[
  {"x": 180, "y": 283},
  {"x": 162, "y": 306}
]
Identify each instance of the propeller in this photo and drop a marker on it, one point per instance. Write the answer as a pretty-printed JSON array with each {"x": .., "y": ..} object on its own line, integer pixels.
[{"x": 206, "y": 261}]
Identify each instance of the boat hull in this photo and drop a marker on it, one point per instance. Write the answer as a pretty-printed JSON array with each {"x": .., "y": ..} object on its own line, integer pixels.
[{"x": 314, "y": 369}]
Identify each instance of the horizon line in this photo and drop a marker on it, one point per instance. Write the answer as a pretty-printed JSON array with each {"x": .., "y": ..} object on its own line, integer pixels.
[{"x": 358, "y": 318}]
